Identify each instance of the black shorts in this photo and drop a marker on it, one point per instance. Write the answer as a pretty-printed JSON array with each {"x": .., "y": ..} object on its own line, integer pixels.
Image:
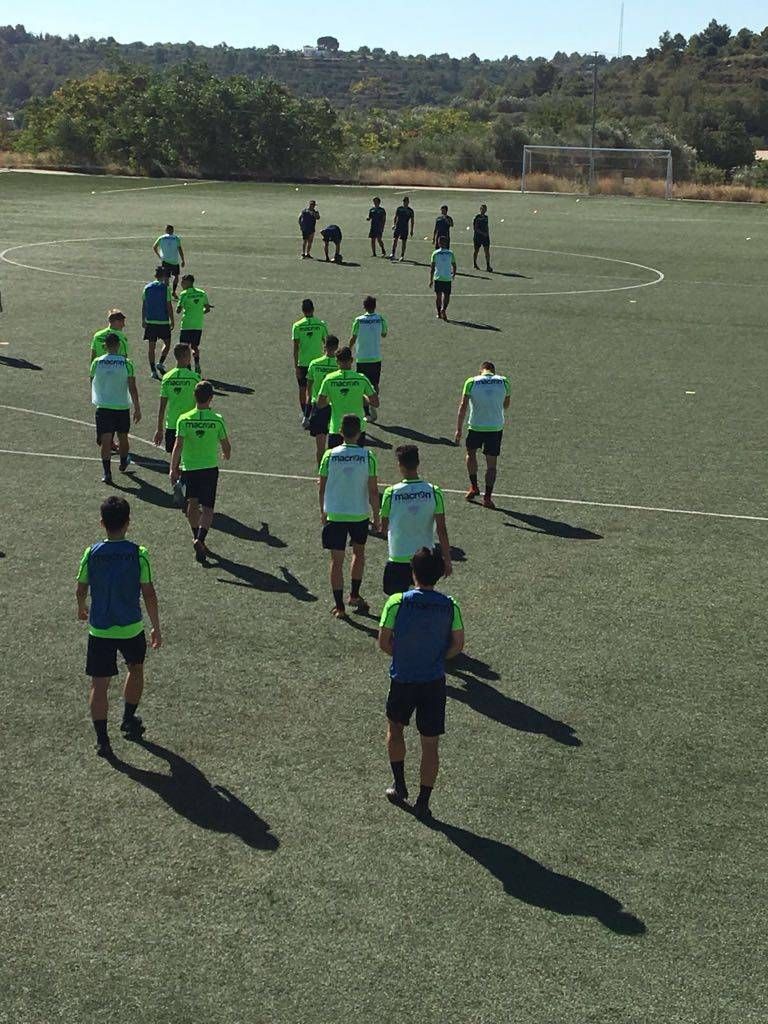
[
  {"x": 426, "y": 699},
  {"x": 331, "y": 236},
  {"x": 334, "y": 440},
  {"x": 301, "y": 375},
  {"x": 335, "y": 534},
  {"x": 401, "y": 233},
  {"x": 319, "y": 421},
  {"x": 101, "y": 659},
  {"x": 397, "y": 578},
  {"x": 191, "y": 338},
  {"x": 174, "y": 268},
  {"x": 112, "y": 421},
  {"x": 488, "y": 440},
  {"x": 157, "y": 332},
  {"x": 376, "y": 233},
  {"x": 481, "y": 240},
  {"x": 170, "y": 440},
  {"x": 201, "y": 484},
  {"x": 372, "y": 371},
  {"x": 306, "y": 235},
  {"x": 443, "y": 287}
]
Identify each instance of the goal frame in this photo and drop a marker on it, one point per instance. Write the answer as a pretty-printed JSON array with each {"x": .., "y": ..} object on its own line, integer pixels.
[{"x": 591, "y": 152}]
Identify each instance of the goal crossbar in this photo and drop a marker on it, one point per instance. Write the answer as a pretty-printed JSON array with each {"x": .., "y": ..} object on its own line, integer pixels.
[{"x": 587, "y": 167}]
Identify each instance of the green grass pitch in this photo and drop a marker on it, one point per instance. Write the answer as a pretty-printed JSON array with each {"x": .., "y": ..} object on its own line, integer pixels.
[{"x": 600, "y": 847}]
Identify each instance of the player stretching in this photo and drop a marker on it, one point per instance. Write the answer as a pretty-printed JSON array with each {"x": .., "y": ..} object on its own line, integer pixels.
[
  {"x": 157, "y": 320},
  {"x": 442, "y": 270},
  {"x": 317, "y": 371},
  {"x": 308, "y": 219},
  {"x": 377, "y": 215},
  {"x": 419, "y": 629},
  {"x": 345, "y": 391},
  {"x": 482, "y": 238},
  {"x": 368, "y": 330},
  {"x": 413, "y": 517},
  {"x": 332, "y": 234},
  {"x": 487, "y": 396},
  {"x": 118, "y": 575},
  {"x": 194, "y": 460},
  {"x": 404, "y": 222},
  {"x": 308, "y": 336},
  {"x": 347, "y": 479},
  {"x": 168, "y": 249},
  {"x": 443, "y": 226},
  {"x": 113, "y": 388},
  {"x": 193, "y": 305},
  {"x": 116, "y": 321},
  {"x": 177, "y": 395}
]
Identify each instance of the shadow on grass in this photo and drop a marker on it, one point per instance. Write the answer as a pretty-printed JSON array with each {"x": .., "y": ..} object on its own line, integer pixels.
[
  {"x": 478, "y": 694},
  {"x": 375, "y": 442},
  {"x": 510, "y": 273},
  {"x": 18, "y": 364},
  {"x": 255, "y": 579},
  {"x": 416, "y": 435},
  {"x": 553, "y": 527},
  {"x": 475, "y": 326},
  {"x": 237, "y": 389},
  {"x": 527, "y": 880},
  {"x": 189, "y": 793}
]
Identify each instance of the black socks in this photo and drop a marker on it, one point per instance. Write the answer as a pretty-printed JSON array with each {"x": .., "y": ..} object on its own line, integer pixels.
[
  {"x": 201, "y": 533},
  {"x": 101, "y": 730},
  {"x": 338, "y": 597},
  {"x": 473, "y": 479},
  {"x": 398, "y": 773},
  {"x": 129, "y": 710},
  {"x": 107, "y": 464},
  {"x": 422, "y": 800},
  {"x": 354, "y": 587}
]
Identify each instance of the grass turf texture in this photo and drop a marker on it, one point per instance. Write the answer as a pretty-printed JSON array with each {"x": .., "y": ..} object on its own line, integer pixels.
[{"x": 244, "y": 865}]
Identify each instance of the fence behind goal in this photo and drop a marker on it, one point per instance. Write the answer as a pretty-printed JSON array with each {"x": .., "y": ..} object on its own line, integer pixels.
[{"x": 596, "y": 170}]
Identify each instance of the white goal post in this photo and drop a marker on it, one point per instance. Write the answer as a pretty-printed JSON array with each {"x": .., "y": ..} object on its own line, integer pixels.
[{"x": 594, "y": 170}]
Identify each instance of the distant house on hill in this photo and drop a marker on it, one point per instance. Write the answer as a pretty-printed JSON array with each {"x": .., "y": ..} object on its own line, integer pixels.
[
  {"x": 314, "y": 51},
  {"x": 761, "y": 154}
]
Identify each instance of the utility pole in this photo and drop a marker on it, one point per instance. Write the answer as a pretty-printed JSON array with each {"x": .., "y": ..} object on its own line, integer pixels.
[{"x": 594, "y": 127}]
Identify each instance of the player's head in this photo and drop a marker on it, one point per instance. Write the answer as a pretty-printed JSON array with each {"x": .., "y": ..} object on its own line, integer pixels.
[
  {"x": 308, "y": 307},
  {"x": 407, "y": 457},
  {"x": 312, "y": 204},
  {"x": 483, "y": 208},
  {"x": 162, "y": 273},
  {"x": 369, "y": 304},
  {"x": 331, "y": 344},
  {"x": 187, "y": 280},
  {"x": 350, "y": 427},
  {"x": 376, "y": 201},
  {"x": 443, "y": 210},
  {"x": 443, "y": 242},
  {"x": 116, "y": 319},
  {"x": 487, "y": 367},
  {"x": 183, "y": 354},
  {"x": 406, "y": 201},
  {"x": 344, "y": 357},
  {"x": 203, "y": 394},
  {"x": 169, "y": 229},
  {"x": 427, "y": 567},
  {"x": 111, "y": 343},
  {"x": 115, "y": 514}
]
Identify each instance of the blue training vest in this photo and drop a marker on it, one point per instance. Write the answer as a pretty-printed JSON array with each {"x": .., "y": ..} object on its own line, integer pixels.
[{"x": 114, "y": 580}]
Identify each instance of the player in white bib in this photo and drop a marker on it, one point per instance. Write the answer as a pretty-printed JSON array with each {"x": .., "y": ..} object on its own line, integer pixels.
[
  {"x": 413, "y": 517},
  {"x": 487, "y": 397},
  {"x": 367, "y": 332}
]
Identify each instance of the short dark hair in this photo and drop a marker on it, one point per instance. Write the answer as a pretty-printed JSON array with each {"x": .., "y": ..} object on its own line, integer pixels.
[
  {"x": 115, "y": 513},
  {"x": 203, "y": 392},
  {"x": 427, "y": 566},
  {"x": 188, "y": 277},
  {"x": 115, "y": 314},
  {"x": 307, "y": 306},
  {"x": 111, "y": 340},
  {"x": 488, "y": 365},
  {"x": 344, "y": 355},
  {"x": 377, "y": 199},
  {"x": 406, "y": 199},
  {"x": 162, "y": 272},
  {"x": 442, "y": 241},
  {"x": 350, "y": 425},
  {"x": 169, "y": 229},
  {"x": 180, "y": 349},
  {"x": 369, "y": 303},
  {"x": 443, "y": 208},
  {"x": 407, "y": 455},
  {"x": 331, "y": 343}
]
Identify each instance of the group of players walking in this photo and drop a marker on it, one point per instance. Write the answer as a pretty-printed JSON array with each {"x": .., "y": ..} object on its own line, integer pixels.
[{"x": 419, "y": 627}]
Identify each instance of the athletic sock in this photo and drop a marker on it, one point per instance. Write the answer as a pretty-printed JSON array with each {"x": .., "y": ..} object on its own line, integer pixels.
[
  {"x": 123, "y": 461},
  {"x": 202, "y": 533},
  {"x": 101, "y": 730},
  {"x": 425, "y": 792},
  {"x": 338, "y": 597},
  {"x": 194, "y": 530},
  {"x": 354, "y": 587},
  {"x": 129, "y": 710},
  {"x": 152, "y": 367},
  {"x": 398, "y": 772},
  {"x": 107, "y": 464},
  {"x": 473, "y": 480},
  {"x": 490, "y": 480}
]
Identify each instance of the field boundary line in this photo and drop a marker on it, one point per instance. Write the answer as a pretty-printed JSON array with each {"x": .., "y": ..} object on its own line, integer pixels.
[{"x": 542, "y": 499}]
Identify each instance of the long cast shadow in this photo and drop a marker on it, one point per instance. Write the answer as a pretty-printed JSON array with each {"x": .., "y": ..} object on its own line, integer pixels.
[
  {"x": 238, "y": 389},
  {"x": 475, "y": 326},
  {"x": 503, "y": 273},
  {"x": 527, "y": 880},
  {"x": 375, "y": 442},
  {"x": 255, "y": 579},
  {"x": 416, "y": 435},
  {"x": 18, "y": 364},
  {"x": 189, "y": 793},
  {"x": 459, "y": 273},
  {"x": 478, "y": 694},
  {"x": 553, "y": 527}
]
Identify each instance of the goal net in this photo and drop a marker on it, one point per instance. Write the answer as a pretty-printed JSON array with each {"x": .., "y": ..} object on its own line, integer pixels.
[{"x": 596, "y": 171}]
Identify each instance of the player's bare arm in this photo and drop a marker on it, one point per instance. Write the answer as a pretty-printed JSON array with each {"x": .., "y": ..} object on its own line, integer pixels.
[
  {"x": 149, "y": 594},
  {"x": 133, "y": 391},
  {"x": 321, "y": 480},
  {"x": 375, "y": 502},
  {"x": 160, "y": 420},
  {"x": 81, "y": 594},
  {"x": 445, "y": 544},
  {"x": 226, "y": 448},
  {"x": 386, "y": 640},
  {"x": 175, "y": 472},
  {"x": 457, "y": 644},
  {"x": 460, "y": 418}
]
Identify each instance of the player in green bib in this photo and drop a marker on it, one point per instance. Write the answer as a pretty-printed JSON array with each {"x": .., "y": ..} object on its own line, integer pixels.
[
  {"x": 346, "y": 392},
  {"x": 116, "y": 322},
  {"x": 195, "y": 460},
  {"x": 308, "y": 336},
  {"x": 193, "y": 305},
  {"x": 177, "y": 395},
  {"x": 317, "y": 371}
]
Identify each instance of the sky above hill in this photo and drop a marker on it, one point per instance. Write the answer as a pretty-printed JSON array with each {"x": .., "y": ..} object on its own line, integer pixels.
[{"x": 489, "y": 28}]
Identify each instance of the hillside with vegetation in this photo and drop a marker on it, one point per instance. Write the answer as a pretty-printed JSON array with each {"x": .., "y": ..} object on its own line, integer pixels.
[{"x": 326, "y": 111}]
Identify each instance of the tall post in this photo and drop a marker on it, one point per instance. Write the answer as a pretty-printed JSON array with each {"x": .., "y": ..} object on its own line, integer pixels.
[{"x": 594, "y": 128}]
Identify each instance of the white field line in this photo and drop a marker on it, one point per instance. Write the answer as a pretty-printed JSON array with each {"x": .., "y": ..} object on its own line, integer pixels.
[
  {"x": 150, "y": 188},
  {"x": 446, "y": 490}
]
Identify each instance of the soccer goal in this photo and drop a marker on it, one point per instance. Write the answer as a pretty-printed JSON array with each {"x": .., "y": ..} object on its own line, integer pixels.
[{"x": 596, "y": 171}]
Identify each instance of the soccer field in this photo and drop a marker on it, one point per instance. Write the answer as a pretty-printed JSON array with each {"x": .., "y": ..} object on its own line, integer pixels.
[{"x": 599, "y": 842}]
